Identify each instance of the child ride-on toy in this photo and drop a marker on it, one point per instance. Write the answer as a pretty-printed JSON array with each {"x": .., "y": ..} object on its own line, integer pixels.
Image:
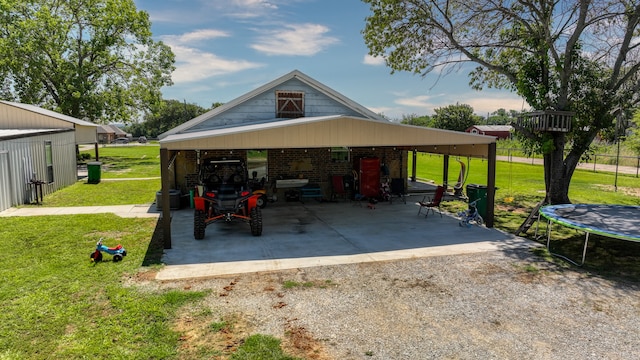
[
  {"x": 470, "y": 215},
  {"x": 224, "y": 195},
  {"x": 118, "y": 252}
]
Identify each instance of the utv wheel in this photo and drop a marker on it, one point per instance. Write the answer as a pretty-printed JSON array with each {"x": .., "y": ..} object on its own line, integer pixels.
[
  {"x": 117, "y": 257},
  {"x": 198, "y": 225},
  {"x": 256, "y": 221},
  {"x": 262, "y": 201}
]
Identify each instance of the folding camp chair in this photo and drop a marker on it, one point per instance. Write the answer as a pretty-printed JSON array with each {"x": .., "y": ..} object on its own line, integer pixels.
[{"x": 429, "y": 205}]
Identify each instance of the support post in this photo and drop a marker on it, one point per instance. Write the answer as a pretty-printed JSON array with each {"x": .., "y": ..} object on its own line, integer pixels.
[
  {"x": 445, "y": 172},
  {"x": 166, "y": 201},
  {"x": 413, "y": 166},
  {"x": 491, "y": 184},
  {"x": 95, "y": 147}
]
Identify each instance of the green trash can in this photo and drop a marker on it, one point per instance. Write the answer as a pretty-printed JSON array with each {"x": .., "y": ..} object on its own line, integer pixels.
[
  {"x": 94, "y": 169},
  {"x": 478, "y": 192}
]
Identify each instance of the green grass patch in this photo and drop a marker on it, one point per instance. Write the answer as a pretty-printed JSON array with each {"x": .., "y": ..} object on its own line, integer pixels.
[
  {"x": 521, "y": 188},
  {"x": 526, "y": 181},
  {"x": 124, "y": 161},
  {"x": 218, "y": 326},
  {"x": 260, "y": 347},
  {"x": 56, "y": 304},
  {"x": 121, "y": 192}
]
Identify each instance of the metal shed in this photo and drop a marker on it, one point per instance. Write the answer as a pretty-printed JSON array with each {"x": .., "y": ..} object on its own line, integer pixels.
[{"x": 38, "y": 150}]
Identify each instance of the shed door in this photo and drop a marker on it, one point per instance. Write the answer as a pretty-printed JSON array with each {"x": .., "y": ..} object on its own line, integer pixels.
[{"x": 290, "y": 104}]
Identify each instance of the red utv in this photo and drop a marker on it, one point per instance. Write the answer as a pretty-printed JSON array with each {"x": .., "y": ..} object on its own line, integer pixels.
[{"x": 224, "y": 195}]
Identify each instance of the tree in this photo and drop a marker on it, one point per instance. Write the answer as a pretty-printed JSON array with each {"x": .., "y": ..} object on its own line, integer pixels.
[
  {"x": 416, "y": 120},
  {"x": 633, "y": 140},
  {"x": 169, "y": 114},
  {"x": 578, "y": 56},
  {"x": 455, "y": 117},
  {"x": 502, "y": 117},
  {"x": 90, "y": 59}
]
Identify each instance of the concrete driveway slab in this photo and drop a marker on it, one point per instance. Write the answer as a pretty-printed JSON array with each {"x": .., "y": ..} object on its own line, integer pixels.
[{"x": 314, "y": 234}]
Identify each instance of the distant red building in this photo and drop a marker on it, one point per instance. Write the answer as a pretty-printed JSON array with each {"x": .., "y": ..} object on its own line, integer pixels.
[{"x": 499, "y": 131}]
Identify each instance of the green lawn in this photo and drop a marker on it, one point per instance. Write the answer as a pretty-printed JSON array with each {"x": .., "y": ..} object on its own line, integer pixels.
[
  {"x": 54, "y": 303},
  {"x": 128, "y": 161},
  {"x": 120, "y": 192},
  {"x": 119, "y": 163},
  {"x": 520, "y": 180},
  {"x": 521, "y": 187}
]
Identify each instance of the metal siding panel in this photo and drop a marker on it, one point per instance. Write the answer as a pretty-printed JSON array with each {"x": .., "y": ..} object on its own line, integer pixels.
[
  {"x": 27, "y": 155},
  {"x": 348, "y": 131},
  {"x": 5, "y": 185},
  {"x": 86, "y": 134}
]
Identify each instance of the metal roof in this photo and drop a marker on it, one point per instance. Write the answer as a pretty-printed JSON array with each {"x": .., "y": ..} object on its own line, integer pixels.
[
  {"x": 50, "y": 113},
  {"x": 7, "y": 134},
  {"x": 331, "y": 131}
]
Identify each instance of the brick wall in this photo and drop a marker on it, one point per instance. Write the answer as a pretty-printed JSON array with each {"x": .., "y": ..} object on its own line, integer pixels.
[{"x": 313, "y": 164}]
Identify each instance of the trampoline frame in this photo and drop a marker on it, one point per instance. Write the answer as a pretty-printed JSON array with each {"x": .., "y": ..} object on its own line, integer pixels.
[{"x": 551, "y": 219}]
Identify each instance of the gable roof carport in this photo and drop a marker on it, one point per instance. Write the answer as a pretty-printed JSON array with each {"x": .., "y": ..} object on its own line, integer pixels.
[{"x": 329, "y": 131}]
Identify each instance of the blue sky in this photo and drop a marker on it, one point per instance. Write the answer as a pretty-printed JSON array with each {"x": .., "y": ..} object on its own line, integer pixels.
[{"x": 226, "y": 48}]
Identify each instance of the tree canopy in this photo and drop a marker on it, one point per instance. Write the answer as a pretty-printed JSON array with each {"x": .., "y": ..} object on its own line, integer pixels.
[
  {"x": 168, "y": 115},
  {"x": 90, "y": 59},
  {"x": 458, "y": 117},
  {"x": 416, "y": 120},
  {"x": 579, "y": 56}
]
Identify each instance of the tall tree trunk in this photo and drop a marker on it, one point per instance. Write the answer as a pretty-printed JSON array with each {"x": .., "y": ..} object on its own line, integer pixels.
[{"x": 557, "y": 173}]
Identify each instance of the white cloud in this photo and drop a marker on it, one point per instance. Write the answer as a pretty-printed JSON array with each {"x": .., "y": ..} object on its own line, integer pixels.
[
  {"x": 195, "y": 36},
  {"x": 488, "y": 104},
  {"x": 373, "y": 60},
  {"x": 297, "y": 40},
  {"x": 194, "y": 65},
  {"x": 416, "y": 102},
  {"x": 255, "y": 4},
  {"x": 481, "y": 104}
]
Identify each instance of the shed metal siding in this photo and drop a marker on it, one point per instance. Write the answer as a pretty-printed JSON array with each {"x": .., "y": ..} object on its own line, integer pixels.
[
  {"x": 86, "y": 134},
  {"x": 5, "y": 187},
  {"x": 25, "y": 156}
]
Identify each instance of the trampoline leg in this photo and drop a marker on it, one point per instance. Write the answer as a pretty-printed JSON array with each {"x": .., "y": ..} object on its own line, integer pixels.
[
  {"x": 584, "y": 250},
  {"x": 548, "y": 234}
]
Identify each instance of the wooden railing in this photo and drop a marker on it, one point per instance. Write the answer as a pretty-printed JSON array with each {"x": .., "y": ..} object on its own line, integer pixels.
[{"x": 548, "y": 120}]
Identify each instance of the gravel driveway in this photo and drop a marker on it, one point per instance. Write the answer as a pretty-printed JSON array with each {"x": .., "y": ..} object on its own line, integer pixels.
[{"x": 491, "y": 305}]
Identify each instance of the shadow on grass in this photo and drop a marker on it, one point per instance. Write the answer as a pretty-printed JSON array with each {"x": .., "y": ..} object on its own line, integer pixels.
[
  {"x": 606, "y": 257},
  {"x": 153, "y": 256}
]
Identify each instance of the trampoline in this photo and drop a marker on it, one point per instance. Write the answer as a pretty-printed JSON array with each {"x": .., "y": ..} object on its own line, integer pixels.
[{"x": 615, "y": 221}]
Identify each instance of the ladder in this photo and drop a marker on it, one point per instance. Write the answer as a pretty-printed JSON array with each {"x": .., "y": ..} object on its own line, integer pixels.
[{"x": 533, "y": 217}]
